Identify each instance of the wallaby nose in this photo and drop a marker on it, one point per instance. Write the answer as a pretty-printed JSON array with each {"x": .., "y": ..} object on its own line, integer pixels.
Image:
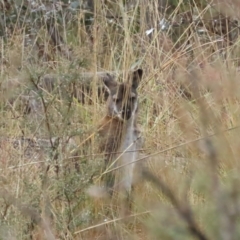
[{"x": 127, "y": 113}]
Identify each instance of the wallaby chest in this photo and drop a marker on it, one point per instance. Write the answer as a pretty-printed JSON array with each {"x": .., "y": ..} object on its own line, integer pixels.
[{"x": 129, "y": 140}]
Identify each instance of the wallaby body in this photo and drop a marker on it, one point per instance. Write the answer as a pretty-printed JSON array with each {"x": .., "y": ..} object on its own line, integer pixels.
[{"x": 120, "y": 137}]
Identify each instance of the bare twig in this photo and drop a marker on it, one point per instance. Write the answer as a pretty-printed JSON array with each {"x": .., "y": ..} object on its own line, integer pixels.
[{"x": 183, "y": 210}]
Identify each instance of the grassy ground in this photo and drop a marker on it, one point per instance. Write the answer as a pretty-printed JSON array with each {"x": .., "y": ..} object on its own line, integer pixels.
[{"x": 191, "y": 145}]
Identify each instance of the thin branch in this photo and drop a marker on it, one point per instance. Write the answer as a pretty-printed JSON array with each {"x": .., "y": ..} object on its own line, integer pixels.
[{"x": 183, "y": 210}]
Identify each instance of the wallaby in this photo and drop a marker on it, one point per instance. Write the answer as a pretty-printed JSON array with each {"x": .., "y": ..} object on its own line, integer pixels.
[{"x": 120, "y": 137}]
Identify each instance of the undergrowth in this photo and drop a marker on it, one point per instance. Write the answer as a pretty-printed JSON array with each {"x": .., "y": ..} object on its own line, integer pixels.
[{"x": 189, "y": 117}]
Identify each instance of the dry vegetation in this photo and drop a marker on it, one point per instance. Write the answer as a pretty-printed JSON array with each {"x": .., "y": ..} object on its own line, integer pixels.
[{"x": 189, "y": 116}]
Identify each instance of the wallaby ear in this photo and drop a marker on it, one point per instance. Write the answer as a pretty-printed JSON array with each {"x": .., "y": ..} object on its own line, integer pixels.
[
  {"x": 109, "y": 82},
  {"x": 136, "y": 77}
]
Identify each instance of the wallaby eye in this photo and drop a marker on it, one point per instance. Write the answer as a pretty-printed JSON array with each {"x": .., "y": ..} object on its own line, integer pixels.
[
  {"x": 132, "y": 96},
  {"x": 132, "y": 99},
  {"x": 116, "y": 100}
]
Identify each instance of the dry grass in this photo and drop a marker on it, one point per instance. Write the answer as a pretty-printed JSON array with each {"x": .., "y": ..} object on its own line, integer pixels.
[{"x": 191, "y": 150}]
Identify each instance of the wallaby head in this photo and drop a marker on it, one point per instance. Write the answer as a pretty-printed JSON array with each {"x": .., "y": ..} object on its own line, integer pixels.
[{"x": 123, "y": 97}]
